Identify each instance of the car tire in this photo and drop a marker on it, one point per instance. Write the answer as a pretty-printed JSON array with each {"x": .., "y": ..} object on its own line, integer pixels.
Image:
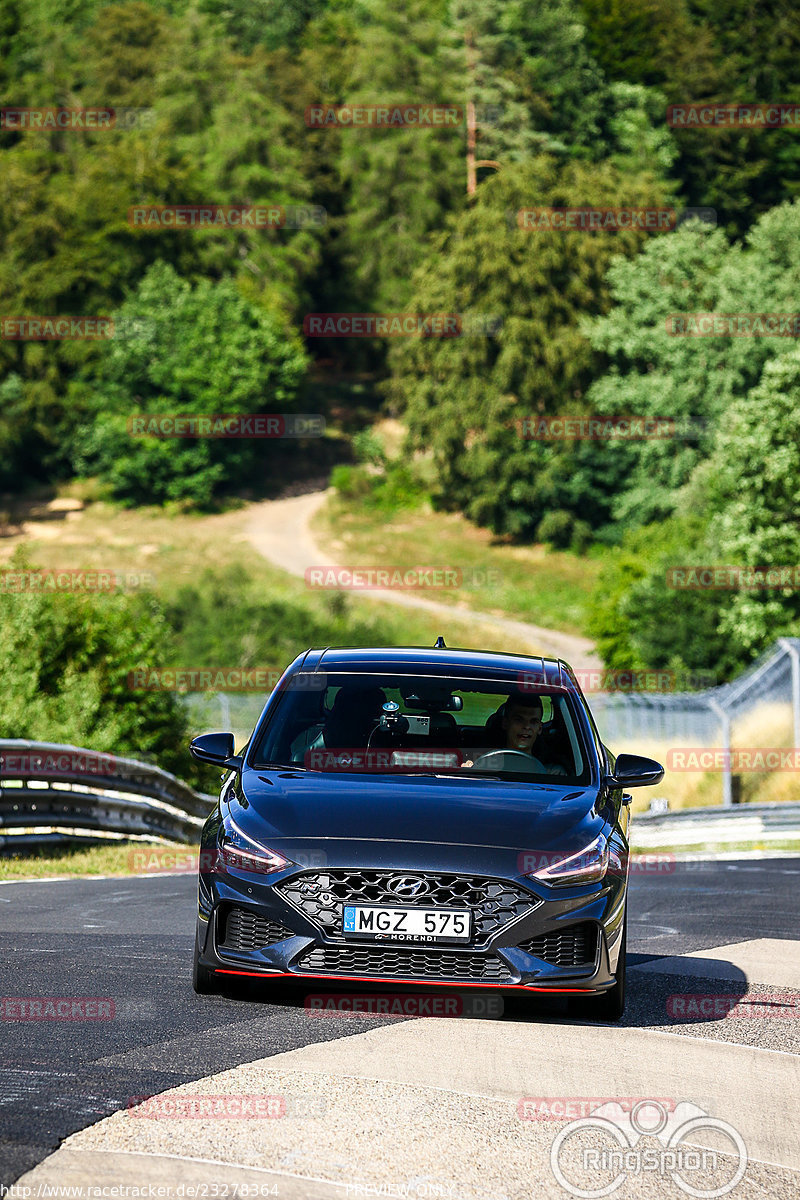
[
  {"x": 203, "y": 980},
  {"x": 608, "y": 1006}
]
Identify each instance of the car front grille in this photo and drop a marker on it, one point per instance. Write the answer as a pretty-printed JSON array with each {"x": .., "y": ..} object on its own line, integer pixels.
[
  {"x": 575, "y": 946},
  {"x": 405, "y": 963},
  {"x": 244, "y": 930},
  {"x": 321, "y": 894}
]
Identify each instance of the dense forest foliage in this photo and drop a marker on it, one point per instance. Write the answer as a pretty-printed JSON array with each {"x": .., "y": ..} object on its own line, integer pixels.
[{"x": 571, "y": 99}]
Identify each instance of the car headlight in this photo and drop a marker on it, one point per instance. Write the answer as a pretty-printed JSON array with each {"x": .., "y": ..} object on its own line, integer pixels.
[
  {"x": 238, "y": 850},
  {"x": 587, "y": 866}
]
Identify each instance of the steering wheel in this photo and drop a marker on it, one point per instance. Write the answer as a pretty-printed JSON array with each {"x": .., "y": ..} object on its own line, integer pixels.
[{"x": 531, "y": 764}]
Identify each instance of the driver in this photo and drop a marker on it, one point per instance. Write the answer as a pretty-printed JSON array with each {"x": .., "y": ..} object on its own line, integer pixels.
[
  {"x": 521, "y": 725},
  {"x": 522, "y": 722}
]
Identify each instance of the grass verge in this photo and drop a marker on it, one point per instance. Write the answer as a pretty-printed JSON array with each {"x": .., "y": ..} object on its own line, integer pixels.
[
  {"x": 548, "y": 588},
  {"x": 67, "y": 861}
]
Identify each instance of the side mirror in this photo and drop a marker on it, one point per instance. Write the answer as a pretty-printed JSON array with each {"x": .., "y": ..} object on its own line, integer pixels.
[
  {"x": 631, "y": 770},
  {"x": 217, "y": 749}
]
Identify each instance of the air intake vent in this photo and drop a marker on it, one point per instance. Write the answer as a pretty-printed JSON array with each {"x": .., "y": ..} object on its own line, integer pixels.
[
  {"x": 575, "y": 946},
  {"x": 244, "y": 930},
  {"x": 406, "y": 964}
]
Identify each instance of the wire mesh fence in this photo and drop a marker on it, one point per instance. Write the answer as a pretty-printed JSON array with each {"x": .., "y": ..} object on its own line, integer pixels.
[{"x": 748, "y": 720}]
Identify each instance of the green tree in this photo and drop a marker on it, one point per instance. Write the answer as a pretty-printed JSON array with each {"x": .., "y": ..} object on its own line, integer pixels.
[
  {"x": 691, "y": 381},
  {"x": 400, "y": 182},
  {"x": 465, "y": 398},
  {"x": 754, "y": 484},
  {"x": 200, "y": 350},
  {"x": 65, "y": 661}
]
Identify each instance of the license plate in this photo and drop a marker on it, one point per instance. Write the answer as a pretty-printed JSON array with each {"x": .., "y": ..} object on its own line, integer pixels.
[{"x": 407, "y": 924}]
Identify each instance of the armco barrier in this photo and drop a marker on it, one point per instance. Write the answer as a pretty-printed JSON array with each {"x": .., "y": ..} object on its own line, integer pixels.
[
  {"x": 697, "y": 826},
  {"x": 52, "y": 792}
]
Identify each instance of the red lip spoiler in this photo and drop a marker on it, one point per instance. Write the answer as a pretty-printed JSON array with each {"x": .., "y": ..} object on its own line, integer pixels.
[{"x": 522, "y": 987}]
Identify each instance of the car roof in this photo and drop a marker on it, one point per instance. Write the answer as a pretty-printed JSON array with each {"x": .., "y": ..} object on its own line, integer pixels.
[{"x": 526, "y": 670}]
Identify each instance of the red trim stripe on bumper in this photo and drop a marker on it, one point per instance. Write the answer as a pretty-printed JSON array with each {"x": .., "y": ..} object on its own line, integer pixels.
[{"x": 525, "y": 987}]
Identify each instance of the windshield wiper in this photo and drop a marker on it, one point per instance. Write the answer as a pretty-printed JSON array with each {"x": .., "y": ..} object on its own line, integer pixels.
[{"x": 280, "y": 766}]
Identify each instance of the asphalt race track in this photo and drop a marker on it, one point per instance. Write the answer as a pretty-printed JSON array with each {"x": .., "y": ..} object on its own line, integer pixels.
[{"x": 129, "y": 940}]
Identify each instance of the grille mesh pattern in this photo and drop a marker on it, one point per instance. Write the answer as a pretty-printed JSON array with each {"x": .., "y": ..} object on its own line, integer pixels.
[
  {"x": 244, "y": 930},
  {"x": 574, "y": 946},
  {"x": 405, "y": 963},
  {"x": 321, "y": 894}
]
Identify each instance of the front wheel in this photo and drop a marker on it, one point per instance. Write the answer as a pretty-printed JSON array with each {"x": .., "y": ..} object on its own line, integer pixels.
[{"x": 610, "y": 1005}]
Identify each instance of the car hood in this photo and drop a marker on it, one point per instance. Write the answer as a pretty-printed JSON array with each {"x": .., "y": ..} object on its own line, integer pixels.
[{"x": 281, "y": 807}]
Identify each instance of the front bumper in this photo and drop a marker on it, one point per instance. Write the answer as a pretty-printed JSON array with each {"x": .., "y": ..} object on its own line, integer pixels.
[{"x": 526, "y": 935}]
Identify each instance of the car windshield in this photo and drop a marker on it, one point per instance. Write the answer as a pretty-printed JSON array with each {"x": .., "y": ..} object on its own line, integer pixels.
[{"x": 412, "y": 724}]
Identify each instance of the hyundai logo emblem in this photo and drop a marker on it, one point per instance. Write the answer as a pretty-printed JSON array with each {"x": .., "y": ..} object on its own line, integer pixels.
[{"x": 408, "y": 886}]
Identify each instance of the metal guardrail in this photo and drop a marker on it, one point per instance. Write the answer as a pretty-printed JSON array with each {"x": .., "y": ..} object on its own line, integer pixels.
[
  {"x": 693, "y": 826},
  {"x": 51, "y": 792}
]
